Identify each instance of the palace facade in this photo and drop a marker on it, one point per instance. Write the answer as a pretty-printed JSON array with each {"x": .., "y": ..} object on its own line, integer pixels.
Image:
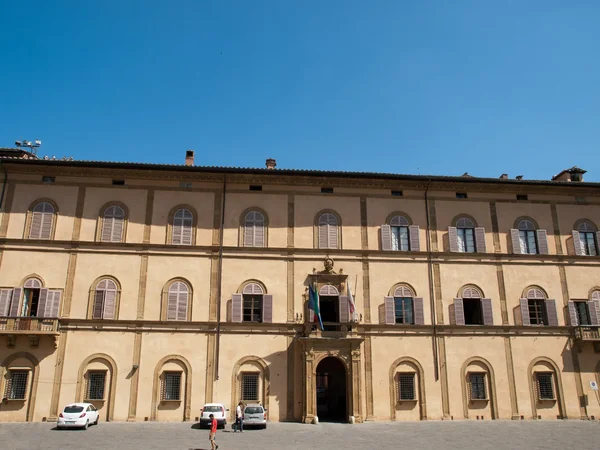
[{"x": 150, "y": 290}]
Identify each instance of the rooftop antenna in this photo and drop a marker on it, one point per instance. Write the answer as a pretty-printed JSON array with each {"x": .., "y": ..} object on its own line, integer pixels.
[{"x": 33, "y": 146}]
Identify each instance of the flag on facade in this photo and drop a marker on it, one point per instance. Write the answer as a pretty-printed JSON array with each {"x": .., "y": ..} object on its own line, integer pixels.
[
  {"x": 351, "y": 305},
  {"x": 313, "y": 305}
]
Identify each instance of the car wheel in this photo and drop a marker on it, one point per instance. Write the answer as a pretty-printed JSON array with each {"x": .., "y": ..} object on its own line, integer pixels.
[
  {"x": 87, "y": 424},
  {"x": 97, "y": 420}
]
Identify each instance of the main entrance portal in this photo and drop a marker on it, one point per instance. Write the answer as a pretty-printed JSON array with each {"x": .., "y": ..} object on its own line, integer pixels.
[{"x": 331, "y": 390}]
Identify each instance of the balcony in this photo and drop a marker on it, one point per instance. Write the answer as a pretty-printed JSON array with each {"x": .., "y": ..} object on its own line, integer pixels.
[
  {"x": 32, "y": 327},
  {"x": 588, "y": 333},
  {"x": 335, "y": 330}
]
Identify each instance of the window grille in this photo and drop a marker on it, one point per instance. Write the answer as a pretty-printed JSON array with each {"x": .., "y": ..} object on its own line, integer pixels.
[
  {"x": 171, "y": 387},
  {"x": 16, "y": 385},
  {"x": 545, "y": 386},
  {"x": 96, "y": 382},
  {"x": 249, "y": 387},
  {"x": 406, "y": 386},
  {"x": 477, "y": 386}
]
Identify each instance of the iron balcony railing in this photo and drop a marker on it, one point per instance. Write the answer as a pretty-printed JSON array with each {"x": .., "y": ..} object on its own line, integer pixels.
[{"x": 28, "y": 325}]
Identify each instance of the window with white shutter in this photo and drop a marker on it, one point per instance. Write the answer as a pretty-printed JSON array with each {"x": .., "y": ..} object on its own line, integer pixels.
[
  {"x": 254, "y": 229},
  {"x": 400, "y": 233},
  {"x": 113, "y": 224},
  {"x": 42, "y": 221},
  {"x": 182, "y": 232},
  {"x": 178, "y": 301},
  {"x": 527, "y": 237},
  {"x": 328, "y": 231},
  {"x": 5, "y": 298},
  {"x": 465, "y": 235},
  {"x": 585, "y": 239},
  {"x": 105, "y": 298}
]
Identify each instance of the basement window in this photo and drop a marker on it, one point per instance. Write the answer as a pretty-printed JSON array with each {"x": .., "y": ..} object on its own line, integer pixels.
[
  {"x": 118, "y": 182},
  {"x": 47, "y": 179},
  {"x": 521, "y": 196},
  {"x": 256, "y": 187},
  {"x": 397, "y": 194}
]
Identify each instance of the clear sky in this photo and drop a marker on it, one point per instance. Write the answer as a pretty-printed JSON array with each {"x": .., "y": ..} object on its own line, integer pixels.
[{"x": 430, "y": 87}]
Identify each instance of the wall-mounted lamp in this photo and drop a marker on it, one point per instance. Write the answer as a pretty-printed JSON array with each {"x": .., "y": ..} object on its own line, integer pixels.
[{"x": 136, "y": 367}]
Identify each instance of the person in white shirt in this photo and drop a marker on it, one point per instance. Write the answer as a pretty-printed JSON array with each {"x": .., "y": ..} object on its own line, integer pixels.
[{"x": 239, "y": 418}]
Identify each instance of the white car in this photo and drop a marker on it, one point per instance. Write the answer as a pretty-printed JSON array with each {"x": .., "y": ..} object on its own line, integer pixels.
[
  {"x": 79, "y": 415},
  {"x": 216, "y": 409}
]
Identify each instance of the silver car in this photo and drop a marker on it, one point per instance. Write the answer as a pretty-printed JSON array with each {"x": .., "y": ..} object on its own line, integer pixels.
[{"x": 255, "y": 415}]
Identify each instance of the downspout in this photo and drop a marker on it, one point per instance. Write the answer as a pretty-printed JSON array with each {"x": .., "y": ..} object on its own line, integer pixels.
[
  {"x": 431, "y": 288},
  {"x": 219, "y": 279},
  {"x": 3, "y": 184}
]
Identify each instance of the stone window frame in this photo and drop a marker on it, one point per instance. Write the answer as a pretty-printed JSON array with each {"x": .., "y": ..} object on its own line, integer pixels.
[
  {"x": 29, "y": 216},
  {"x": 100, "y": 221},
  {"x": 92, "y": 296},
  {"x": 170, "y": 221},
  {"x": 165, "y": 300},
  {"x": 316, "y": 229},
  {"x": 111, "y": 368},
  {"x": 420, "y": 393},
  {"x": 242, "y": 227}
]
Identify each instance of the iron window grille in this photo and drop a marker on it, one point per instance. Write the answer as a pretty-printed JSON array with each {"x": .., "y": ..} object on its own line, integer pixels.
[
  {"x": 16, "y": 385},
  {"x": 477, "y": 386},
  {"x": 537, "y": 312},
  {"x": 249, "y": 387},
  {"x": 253, "y": 306},
  {"x": 406, "y": 387},
  {"x": 96, "y": 382},
  {"x": 545, "y": 386},
  {"x": 171, "y": 388}
]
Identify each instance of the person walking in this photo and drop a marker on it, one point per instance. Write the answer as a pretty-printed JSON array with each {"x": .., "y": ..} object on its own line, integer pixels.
[
  {"x": 239, "y": 417},
  {"x": 213, "y": 432}
]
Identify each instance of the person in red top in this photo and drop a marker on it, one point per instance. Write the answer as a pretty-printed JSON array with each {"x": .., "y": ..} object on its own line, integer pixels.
[{"x": 213, "y": 432}]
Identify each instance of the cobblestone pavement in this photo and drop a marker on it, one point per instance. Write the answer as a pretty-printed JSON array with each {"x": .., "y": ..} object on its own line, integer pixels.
[{"x": 547, "y": 435}]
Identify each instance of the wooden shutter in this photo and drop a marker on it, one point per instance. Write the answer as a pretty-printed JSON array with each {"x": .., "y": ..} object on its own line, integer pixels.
[
  {"x": 486, "y": 308},
  {"x": 577, "y": 243},
  {"x": 551, "y": 313},
  {"x": 41, "y": 309},
  {"x": 236, "y": 308},
  {"x": 182, "y": 302},
  {"x": 53, "y": 304},
  {"x": 187, "y": 231},
  {"x": 98, "y": 304},
  {"x": 480, "y": 239},
  {"x": 344, "y": 308},
  {"x": 332, "y": 230},
  {"x": 573, "y": 319},
  {"x": 177, "y": 235},
  {"x": 15, "y": 304},
  {"x": 110, "y": 303},
  {"x": 41, "y": 221},
  {"x": 117, "y": 231},
  {"x": 47, "y": 220},
  {"x": 5, "y": 296},
  {"x": 524, "y": 307},
  {"x": 35, "y": 230},
  {"x": 419, "y": 314},
  {"x": 453, "y": 239},
  {"x": 592, "y": 308},
  {"x": 386, "y": 237},
  {"x": 323, "y": 235},
  {"x": 267, "y": 308},
  {"x": 259, "y": 233},
  {"x": 459, "y": 312},
  {"x": 516, "y": 241},
  {"x": 415, "y": 243},
  {"x": 113, "y": 221},
  {"x": 172, "y": 299},
  {"x": 390, "y": 311},
  {"x": 542, "y": 242}
]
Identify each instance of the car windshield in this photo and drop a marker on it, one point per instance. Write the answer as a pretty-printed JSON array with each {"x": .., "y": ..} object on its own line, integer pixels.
[
  {"x": 73, "y": 409},
  {"x": 254, "y": 410},
  {"x": 212, "y": 409}
]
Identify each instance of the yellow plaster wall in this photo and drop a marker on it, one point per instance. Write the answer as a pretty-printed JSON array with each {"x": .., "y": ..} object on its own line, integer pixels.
[
  {"x": 50, "y": 267},
  {"x": 509, "y": 212},
  {"x": 581, "y": 281},
  {"x": 446, "y": 211},
  {"x": 568, "y": 215}
]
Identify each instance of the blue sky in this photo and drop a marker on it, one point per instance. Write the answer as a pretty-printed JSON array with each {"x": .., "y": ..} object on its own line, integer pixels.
[{"x": 430, "y": 87}]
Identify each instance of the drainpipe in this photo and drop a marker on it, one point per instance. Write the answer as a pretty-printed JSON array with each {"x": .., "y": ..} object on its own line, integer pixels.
[
  {"x": 219, "y": 279},
  {"x": 3, "y": 184},
  {"x": 434, "y": 343}
]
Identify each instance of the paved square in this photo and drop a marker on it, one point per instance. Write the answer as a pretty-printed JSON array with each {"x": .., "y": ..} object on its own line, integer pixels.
[{"x": 547, "y": 435}]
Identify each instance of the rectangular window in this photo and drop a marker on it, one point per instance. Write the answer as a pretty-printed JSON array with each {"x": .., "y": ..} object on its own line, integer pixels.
[
  {"x": 588, "y": 243},
  {"x": 49, "y": 180},
  {"x": 255, "y": 187},
  {"x": 406, "y": 386},
  {"x": 16, "y": 384},
  {"x": 249, "y": 387},
  {"x": 326, "y": 190},
  {"x": 477, "y": 386},
  {"x": 527, "y": 241},
  {"x": 537, "y": 312},
  {"x": 466, "y": 240},
  {"x": 95, "y": 385},
  {"x": 521, "y": 196},
  {"x": 397, "y": 193},
  {"x": 171, "y": 389},
  {"x": 118, "y": 182},
  {"x": 404, "y": 310},
  {"x": 545, "y": 386},
  {"x": 461, "y": 195},
  {"x": 400, "y": 238},
  {"x": 185, "y": 185},
  {"x": 583, "y": 314},
  {"x": 473, "y": 313},
  {"x": 253, "y": 308}
]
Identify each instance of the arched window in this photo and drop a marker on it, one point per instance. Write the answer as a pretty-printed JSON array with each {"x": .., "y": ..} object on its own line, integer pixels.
[
  {"x": 470, "y": 308},
  {"x": 403, "y": 307},
  {"x": 537, "y": 309},
  {"x": 178, "y": 301},
  {"x": 254, "y": 229},
  {"x": 585, "y": 239},
  {"x": 465, "y": 231},
  {"x": 253, "y": 304},
  {"x": 42, "y": 221},
  {"x": 527, "y": 237},
  {"x": 113, "y": 224},
  {"x": 328, "y": 231},
  {"x": 105, "y": 297},
  {"x": 183, "y": 224}
]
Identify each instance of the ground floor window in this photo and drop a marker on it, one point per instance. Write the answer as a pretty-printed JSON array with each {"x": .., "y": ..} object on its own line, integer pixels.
[
  {"x": 249, "y": 387},
  {"x": 545, "y": 386},
  {"x": 406, "y": 386},
  {"x": 16, "y": 385},
  {"x": 171, "y": 386},
  {"x": 477, "y": 387},
  {"x": 96, "y": 382}
]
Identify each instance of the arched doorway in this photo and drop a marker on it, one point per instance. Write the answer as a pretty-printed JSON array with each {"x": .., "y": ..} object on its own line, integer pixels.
[{"x": 331, "y": 390}]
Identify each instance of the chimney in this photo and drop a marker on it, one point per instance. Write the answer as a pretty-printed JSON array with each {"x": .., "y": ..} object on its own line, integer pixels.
[
  {"x": 519, "y": 177},
  {"x": 504, "y": 176},
  {"x": 189, "y": 157},
  {"x": 569, "y": 175},
  {"x": 271, "y": 163}
]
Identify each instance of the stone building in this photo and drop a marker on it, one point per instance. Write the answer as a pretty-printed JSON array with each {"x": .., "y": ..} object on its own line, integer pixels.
[{"x": 151, "y": 289}]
